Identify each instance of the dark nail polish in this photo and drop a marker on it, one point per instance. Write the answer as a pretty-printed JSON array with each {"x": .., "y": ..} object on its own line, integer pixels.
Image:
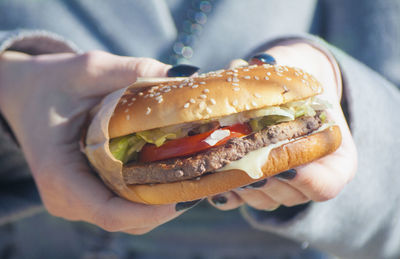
[
  {"x": 219, "y": 200},
  {"x": 287, "y": 175},
  {"x": 263, "y": 58},
  {"x": 255, "y": 185},
  {"x": 182, "y": 70},
  {"x": 186, "y": 205}
]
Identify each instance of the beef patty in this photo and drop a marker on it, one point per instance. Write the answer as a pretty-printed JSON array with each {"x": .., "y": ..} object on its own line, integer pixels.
[{"x": 183, "y": 168}]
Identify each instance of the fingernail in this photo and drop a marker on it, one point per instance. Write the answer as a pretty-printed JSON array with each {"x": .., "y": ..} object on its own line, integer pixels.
[
  {"x": 186, "y": 205},
  {"x": 256, "y": 185},
  {"x": 219, "y": 200},
  {"x": 263, "y": 58},
  {"x": 287, "y": 175},
  {"x": 182, "y": 70}
]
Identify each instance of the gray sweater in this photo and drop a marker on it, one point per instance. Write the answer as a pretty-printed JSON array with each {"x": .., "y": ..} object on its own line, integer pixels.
[{"x": 364, "y": 220}]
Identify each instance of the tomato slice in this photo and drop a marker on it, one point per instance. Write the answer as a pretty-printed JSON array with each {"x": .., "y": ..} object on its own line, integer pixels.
[{"x": 189, "y": 145}]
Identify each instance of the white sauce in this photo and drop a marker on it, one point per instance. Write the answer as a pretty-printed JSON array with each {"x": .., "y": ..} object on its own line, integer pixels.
[{"x": 254, "y": 160}]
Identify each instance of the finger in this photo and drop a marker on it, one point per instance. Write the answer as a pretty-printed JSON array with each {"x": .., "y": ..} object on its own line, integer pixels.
[
  {"x": 111, "y": 72},
  {"x": 137, "y": 231},
  {"x": 226, "y": 201},
  {"x": 238, "y": 63},
  {"x": 117, "y": 214},
  {"x": 283, "y": 193},
  {"x": 82, "y": 196},
  {"x": 257, "y": 199}
]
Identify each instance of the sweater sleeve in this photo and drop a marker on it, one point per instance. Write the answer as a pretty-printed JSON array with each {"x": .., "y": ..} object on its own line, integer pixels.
[
  {"x": 19, "y": 197},
  {"x": 363, "y": 221}
]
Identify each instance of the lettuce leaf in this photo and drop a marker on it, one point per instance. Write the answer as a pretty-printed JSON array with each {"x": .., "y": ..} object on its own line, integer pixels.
[{"x": 126, "y": 148}]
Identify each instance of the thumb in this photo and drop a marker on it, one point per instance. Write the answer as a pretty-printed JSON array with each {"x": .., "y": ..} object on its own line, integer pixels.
[{"x": 105, "y": 72}]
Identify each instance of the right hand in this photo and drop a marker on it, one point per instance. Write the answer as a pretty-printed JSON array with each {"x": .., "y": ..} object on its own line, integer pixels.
[{"x": 46, "y": 99}]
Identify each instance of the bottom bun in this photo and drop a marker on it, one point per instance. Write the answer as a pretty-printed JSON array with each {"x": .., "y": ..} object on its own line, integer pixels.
[{"x": 289, "y": 155}]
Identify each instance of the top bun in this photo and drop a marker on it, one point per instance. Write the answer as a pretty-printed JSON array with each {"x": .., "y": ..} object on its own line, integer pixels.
[{"x": 210, "y": 95}]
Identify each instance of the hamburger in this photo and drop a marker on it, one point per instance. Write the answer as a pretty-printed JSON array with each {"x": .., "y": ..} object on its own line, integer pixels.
[{"x": 199, "y": 136}]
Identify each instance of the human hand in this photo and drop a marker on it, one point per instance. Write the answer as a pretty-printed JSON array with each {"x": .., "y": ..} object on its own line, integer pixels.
[
  {"x": 320, "y": 180},
  {"x": 46, "y": 100}
]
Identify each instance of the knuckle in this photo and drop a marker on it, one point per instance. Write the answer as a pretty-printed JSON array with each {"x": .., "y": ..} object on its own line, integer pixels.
[
  {"x": 142, "y": 66},
  {"x": 107, "y": 221},
  {"x": 139, "y": 231},
  {"x": 296, "y": 201},
  {"x": 319, "y": 190},
  {"x": 326, "y": 194},
  {"x": 268, "y": 206}
]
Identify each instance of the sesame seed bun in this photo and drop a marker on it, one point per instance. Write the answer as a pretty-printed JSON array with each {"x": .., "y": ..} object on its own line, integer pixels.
[{"x": 211, "y": 95}]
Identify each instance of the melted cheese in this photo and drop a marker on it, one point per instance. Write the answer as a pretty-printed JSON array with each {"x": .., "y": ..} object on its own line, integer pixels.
[{"x": 254, "y": 160}]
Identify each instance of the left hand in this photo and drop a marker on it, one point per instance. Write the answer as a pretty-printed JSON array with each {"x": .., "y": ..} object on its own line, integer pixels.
[{"x": 320, "y": 180}]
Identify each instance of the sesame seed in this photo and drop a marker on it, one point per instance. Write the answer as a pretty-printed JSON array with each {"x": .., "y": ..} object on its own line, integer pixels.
[
  {"x": 130, "y": 104},
  {"x": 167, "y": 90},
  {"x": 160, "y": 100},
  {"x": 235, "y": 79},
  {"x": 288, "y": 78},
  {"x": 256, "y": 78},
  {"x": 148, "y": 110},
  {"x": 268, "y": 73},
  {"x": 140, "y": 93},
  {"x": 128, "y": 117},
  {"x": 235, "y": 70},
  {"x": 254, "y": 103},
  {"x": 124, "y": 101},
  {"x": 219, "y": 75},
  {"x": 151, "y": 95},
  {"x": 133, "y": 99},
  {"x": 247, "y": 107},
  {"x": 236, "y": 89},
  {"x": 203, "y": 96},
  {"x": 186, "y": 105},
  {"x": 229, "y": 73},
  {"x": 206, "y": 91},
  {"x": 247, "y": 77},
  {"x": 266, "y": 78},
  {"x": 202, "y": 83},
  {"x": 257, "y": 95},
  {"x": 235, "y": 102},
  {"x": 190, "y": 84},
  {"x": 213, "y": 101},
  {"x": 285, "y": 89},
  {"x": 208, "y": 110},
  {"x": 235, "y": 84},
  {"x": 279, "y": 74},
  {"x": 305, "y": 76},
  {"x": 246, "y": 70},
  {"x": 229, "y": 79},
  {"x": 195, "y": 86},
  {"x": 126, "y": 110},
  {"x": 180, "y": 86},
  {"x": 192, "y": 100},
  {"x": 174, "y": 86},
  {"x": 252, "y": 66}
]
